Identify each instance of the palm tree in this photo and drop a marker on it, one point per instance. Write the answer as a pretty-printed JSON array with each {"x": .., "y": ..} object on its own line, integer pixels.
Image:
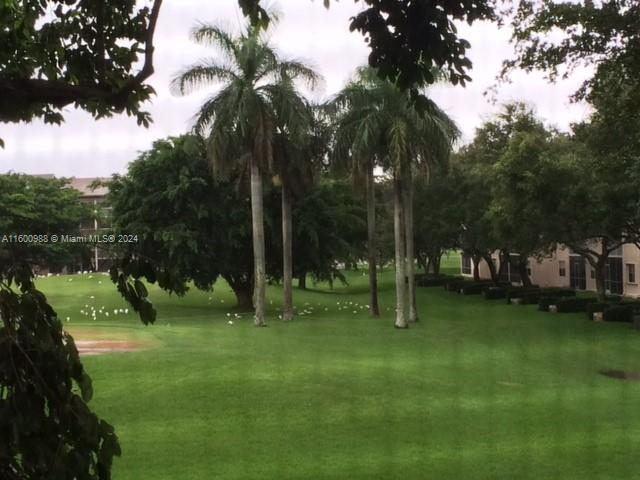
[
  {"x": 294, "y": 168},
  {"x": 376, "y": 120},
  {"x": 241, "y": 119},
  {"x": 357, "y": 118}
]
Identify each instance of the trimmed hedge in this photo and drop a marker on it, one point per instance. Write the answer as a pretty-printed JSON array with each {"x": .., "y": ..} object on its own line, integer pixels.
[
  {"x": 544, "y": 301},
  {"x": 494, "y": 293},
  {"x": 454, "y": 285},
  {"x": 431, "y": 280},
  {"x": 619, "y": 313},
  {"x": 596, "y": 307},
  {"x": 519, "y": 292},
  {"x": 574, "y": 304},
  {"x": 557, "y": 292},
  {"x": 531, "y": 298},
  {"x": 474, "y": 288}
]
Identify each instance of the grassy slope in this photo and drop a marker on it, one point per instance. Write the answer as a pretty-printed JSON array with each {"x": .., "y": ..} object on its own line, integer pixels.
[{"x": 477, "y": 390}]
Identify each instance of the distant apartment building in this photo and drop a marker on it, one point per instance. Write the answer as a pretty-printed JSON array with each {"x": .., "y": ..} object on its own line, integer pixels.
[
  {"x": 100, "y": 223},
  {"x": 565, "y": 268}
]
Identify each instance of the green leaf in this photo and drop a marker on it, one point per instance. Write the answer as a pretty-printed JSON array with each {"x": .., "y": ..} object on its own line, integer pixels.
[
  {"x": 86, "y": 387},
  {"x": 141, "y": 290}
]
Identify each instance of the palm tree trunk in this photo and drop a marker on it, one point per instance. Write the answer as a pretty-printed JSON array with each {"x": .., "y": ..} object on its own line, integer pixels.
[
  {"x": 287, "y": 255},
  {"x": 257, "y": 220},
  {"x": 399, "y": 231},
  {"x": 408, "y": 224},
  {"x": 374, "y": 308}
]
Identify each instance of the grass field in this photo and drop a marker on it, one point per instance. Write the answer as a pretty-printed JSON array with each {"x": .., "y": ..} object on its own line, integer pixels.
[{"x": 477, "y": 390}]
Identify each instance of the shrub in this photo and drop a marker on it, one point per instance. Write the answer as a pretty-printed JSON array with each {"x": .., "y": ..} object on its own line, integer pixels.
[
  {"x": 557, "y": 292},
  {"x": 431, "y": 280},
  {"x": 545, "y": 300},
  {"x": 618, "y": 313},
  {"x": 474, "y": 288},
  {"x": 455, "y": 284},
  {"x": 451, "y": 285},
  {"x": 519, "y": 292},
  {"x": 596, "y": 307},
  {"x": 493, "y": 293},
  {"x": 530, "y": 298},
  {"x": 574, "y": 304}
]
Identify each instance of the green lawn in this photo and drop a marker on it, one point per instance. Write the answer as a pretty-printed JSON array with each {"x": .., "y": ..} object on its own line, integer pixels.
[{"x": 476, "y": 390}]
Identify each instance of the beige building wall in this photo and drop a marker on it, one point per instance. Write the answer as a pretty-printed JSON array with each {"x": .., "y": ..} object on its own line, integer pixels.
[{"x": 554, "y": 270}]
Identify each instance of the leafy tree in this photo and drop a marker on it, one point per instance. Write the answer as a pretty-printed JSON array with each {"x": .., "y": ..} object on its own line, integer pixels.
[
  {"x": 241, "y": 120},
  {"x": 190, "y": 227},
  {"x": 409, "y": 38},
  {"x": 476, "y": 160},
  {"x": 57, "y": 52},
  {"x": 37, "y": 206},
  {"x": 558, "y": 36},
  {"x": 599, "y": 204},
  {"x": 528, "y": 181},
  {"x": 438, "y": 220},
  {"x": 328, "y": 229},
  {"x": 46, "y": 427}
]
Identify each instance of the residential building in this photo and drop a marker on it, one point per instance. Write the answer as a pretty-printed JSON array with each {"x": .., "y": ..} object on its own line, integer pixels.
[
  {"x": 564, "y": 268},
  {"x": 101, "y": 221}
]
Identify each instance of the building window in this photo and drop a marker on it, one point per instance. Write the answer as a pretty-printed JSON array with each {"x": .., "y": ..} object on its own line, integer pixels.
[
  {"x": 631, "y": 273},
  {"x": 562, "y": 268},
  {"x": 577, "y": 272},
  {"x": 593, "y": 273},
  {"x": 466, "y": 264}
]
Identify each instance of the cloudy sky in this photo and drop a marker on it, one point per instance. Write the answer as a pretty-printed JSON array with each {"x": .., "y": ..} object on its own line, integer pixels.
[{"x": 83, "y": 147}]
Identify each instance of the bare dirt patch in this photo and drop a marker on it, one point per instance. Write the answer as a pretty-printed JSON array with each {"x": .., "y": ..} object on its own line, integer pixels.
[
  {"x": 101, "y": 347},
  {"x": 621, "y": 375}
]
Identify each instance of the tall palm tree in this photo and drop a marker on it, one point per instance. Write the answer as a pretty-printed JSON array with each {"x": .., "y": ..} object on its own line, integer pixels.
[
  {"x": 241, "y": 119},
  {"x": 357, "y": 118},
  {"x": 376, "y": 120},
  {"x": 294, "y": 168}
]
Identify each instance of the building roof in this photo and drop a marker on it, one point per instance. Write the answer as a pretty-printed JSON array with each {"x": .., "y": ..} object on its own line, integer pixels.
[{"x": 83, "y": 185}]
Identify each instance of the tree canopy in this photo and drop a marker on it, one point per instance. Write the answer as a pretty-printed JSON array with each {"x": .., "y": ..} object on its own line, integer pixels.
[
  {"x": 36, "y": 206},
  {"x": 57, "y": 52}
]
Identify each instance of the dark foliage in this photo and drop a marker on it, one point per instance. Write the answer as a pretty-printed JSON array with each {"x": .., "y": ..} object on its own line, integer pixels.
[
  {"x": 59, "y": 52},
  {"x": 494, "y": 293},
  {"x": 574, "y": 305},
  {"x": 619, "y": 313}
]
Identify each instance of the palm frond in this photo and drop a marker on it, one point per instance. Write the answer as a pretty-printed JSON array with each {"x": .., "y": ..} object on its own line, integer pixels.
[
  {"x": 207, "y": 34},
  {"x": 200, "y": 74}
]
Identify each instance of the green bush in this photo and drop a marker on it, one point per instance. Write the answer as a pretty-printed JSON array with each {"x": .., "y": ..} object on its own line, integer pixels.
[
  {"x": 619, "y": 313},
  {"x": 519, "y": 292},
  {"x": 531, "y": 298},
  {"x": 432, "y": 280},
  {"x": 574, "y": 304},
  {"x": 596, "y": 307},
  {"x": 545, "y": 300},
  {"x": 474, "y": 288},
  {"x": 455, "y": 284},
  {"x": 494, "y": 293},
  {"x": 557, "y": 292}
]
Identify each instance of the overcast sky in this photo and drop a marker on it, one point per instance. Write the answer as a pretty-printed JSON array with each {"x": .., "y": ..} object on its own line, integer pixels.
[{"x": 83, "y": 147}]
